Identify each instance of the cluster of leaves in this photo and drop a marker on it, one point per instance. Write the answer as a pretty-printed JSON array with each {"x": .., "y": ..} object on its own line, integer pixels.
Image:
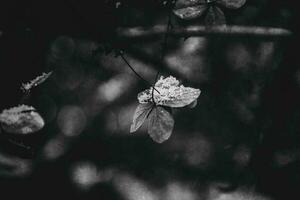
[
  {"x": 211, "y": 9},
  {"x": 167, "y": 92}
]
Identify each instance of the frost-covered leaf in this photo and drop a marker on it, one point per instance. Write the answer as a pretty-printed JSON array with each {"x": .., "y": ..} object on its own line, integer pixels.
[
  {"x": 35, "y": 82},
  {"x": 160, "y": 125},
  {"x": 215, "y": 16},
  {"x": 190, "y": 12},
  {"x": 22, "y": 119},
  {"x": 170, "y": 93},
  {"x": 140, "y": 115},
  {"x": 185, "y": 97},
  {"x": 232, "y": 4}
]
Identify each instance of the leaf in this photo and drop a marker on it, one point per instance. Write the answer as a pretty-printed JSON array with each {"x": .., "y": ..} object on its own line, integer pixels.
[
  {"x": 35, "y": 82},
  {"x": 232, "y": 4},
  {"x": 187, "y": 96},
  {"x": 160, "y": 125},
  {"x": 22, "y": 119},
  {"x": 140, "y": 115},
  {"x": 215, "y": 16},
  {"x": 187, "y": 3},
  {"x": 171, "y": 93},
  {"x": 144, "y": 96},
  {"x": 190, "y": 12}
]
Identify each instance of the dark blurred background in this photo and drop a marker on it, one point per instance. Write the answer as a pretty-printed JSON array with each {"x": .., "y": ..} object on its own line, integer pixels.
[{"x": 240, "y": 142}]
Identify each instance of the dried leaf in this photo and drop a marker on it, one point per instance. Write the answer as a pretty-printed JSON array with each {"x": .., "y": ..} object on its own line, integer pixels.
[
  {"x": 22, "y": 119},
  {"x": 190, "y": 12},
  {"x": 215, "y": 16},
  {"x": 35, "y": 82},
  {"x": 140, "y": 115},
  {"x": 160, "y": 125},
  {"x": 232, "y": 4}
]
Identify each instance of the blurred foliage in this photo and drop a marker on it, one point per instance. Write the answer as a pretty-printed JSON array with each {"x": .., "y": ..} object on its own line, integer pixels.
[{"x": 240, "y": 142}]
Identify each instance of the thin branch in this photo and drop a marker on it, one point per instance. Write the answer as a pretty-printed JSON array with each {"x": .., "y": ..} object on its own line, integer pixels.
[
  {"x": 169, "y": 25},
  {"x": 132, "y": 69},
  {"x": 19, "y": 144},
  {"x": 164, "y": 47},
  {"x": 138, "y": 33},
  {"x": 154, "y": 61},
  {"x": 156, "y": 77},
  {"x": 137, "y": 74}
]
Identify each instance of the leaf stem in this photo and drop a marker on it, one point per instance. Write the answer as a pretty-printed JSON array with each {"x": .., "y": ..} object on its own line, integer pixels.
[
  {"x": 156, "y": 77},
  {"x": 150, "y": 110},
  {"x": 164, "y": 45}
]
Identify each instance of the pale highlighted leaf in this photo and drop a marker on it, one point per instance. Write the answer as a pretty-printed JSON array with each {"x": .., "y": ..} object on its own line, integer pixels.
[
  {"x": 161, "y": 124},
  {"x": 140, "y": 115},
  {"x": 22, "y": 119},
  {"x": 215, "y": 16},
  {"x": 185, "y": 97},
  {"x": 170, "y": 93},
  {"x": 190, "y": 12},
  {"x": 232, "y": 4}
]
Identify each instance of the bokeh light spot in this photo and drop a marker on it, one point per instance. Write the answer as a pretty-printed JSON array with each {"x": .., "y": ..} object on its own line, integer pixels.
[{"x": 71, "y": 120}]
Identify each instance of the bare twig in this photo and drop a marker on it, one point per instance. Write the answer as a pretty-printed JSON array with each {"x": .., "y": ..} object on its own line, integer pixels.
[
  {"x": 169, "y": 25},
  {"x": 137, "y": 33},
  {"x": 137, "y": 74},
  {"x": 155, "y": 62}
]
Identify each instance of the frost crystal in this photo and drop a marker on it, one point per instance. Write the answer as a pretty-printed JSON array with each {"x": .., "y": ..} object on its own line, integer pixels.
[
  {"x": 169, "y": 93},
  {"x": 22, "y": 119}
]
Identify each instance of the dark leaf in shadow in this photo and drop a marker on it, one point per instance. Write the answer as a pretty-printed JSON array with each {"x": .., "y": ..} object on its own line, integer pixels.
[
  {"x": 215, "y": 16},
  {"x": 232, "y": 4},
  {"x": 160, "y": 125},
  {"x": 190, "y": 12}
]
